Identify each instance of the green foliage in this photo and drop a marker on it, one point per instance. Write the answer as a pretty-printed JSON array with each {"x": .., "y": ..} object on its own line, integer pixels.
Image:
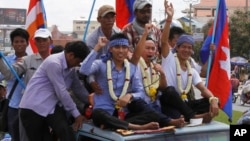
[
  {"x": 239, "y": 32},
  {"x": 206, "y": 27},
  {"x": 222, "y": 117},
  {"x": 198, "y": 45}
]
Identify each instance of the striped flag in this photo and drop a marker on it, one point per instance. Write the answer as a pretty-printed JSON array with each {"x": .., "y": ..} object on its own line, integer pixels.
[
  {"x": 36, "y": 18},
  {"x": 124, "y": 12}
]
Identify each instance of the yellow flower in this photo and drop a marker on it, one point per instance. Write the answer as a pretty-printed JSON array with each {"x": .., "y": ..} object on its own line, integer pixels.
[
  {"x": 152, "y": 91},
  {"x": 183, "y": 96}
]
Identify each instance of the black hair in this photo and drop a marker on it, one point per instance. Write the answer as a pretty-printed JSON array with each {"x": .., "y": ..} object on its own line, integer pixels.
[
  {"x": 57, "y": 49},
  {"x": 19, "y": 32},
  {"x": 174, "y": 30},
  {"x": 79, "y": 48},
  {"x": 118, "y": 36}
]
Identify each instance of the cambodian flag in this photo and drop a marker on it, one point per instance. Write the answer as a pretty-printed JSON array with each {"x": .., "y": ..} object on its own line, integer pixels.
[
  {"x": 219, "y": 77},
  {"x": 36, "y": 18},
  {"x": 124, "y": 12}
]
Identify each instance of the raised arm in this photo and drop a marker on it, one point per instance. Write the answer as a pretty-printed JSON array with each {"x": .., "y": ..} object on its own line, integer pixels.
[
  {"x": 169, "y": 10},
  {"x": 87, "y": 66},
  {"x": 141, "y": 45}
]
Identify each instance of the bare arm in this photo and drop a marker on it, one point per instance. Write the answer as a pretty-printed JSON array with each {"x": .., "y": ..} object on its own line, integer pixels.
[
  {"x": 165, "y": 48},
  {"x": 204, "y": 91},
  {"x": 214, "y": 107},
  {"x": 141, "y": 45}
]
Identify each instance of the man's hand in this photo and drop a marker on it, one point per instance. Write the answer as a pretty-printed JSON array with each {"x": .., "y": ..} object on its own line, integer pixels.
[
  {"x": 78, "y": 122},
  {"x": 214, "y": 108},
  {"x": 102, "y": 41},
  {"x": 169, "y": 10},
  {"x": 148, "y": 28},
  {"x": 123, "y": 101},
  {"x": 95, "y": 86}
]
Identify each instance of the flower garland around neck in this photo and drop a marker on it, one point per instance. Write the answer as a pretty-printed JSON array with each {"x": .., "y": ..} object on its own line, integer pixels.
[
  {"x": 189, "y": 82},
  {"x": 150, "y": 79},
  {"x": 110, "y": 82}
]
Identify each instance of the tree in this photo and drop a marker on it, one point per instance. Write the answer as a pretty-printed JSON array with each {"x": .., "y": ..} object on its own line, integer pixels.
[{"x": 239, "y": 32}]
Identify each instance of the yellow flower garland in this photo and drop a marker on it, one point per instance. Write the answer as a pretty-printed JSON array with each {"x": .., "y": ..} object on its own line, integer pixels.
[
  {"x": 179, "y": 84},
  {"x": 150, "y": 85},
  {"x": 110, "y": 82}
]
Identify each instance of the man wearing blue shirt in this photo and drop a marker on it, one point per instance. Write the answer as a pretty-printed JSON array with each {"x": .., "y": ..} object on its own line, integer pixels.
[
  {"x": 19, "y": 41},
  {"x": 46, "y": 96}
]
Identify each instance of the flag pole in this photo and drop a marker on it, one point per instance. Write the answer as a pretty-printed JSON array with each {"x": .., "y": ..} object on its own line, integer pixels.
[
  {"x": 212, "y": 42},
  {"x": 44, "y": 14},
  {"x": 87, "y": 27},
  {"x": 12, "y": 70}
]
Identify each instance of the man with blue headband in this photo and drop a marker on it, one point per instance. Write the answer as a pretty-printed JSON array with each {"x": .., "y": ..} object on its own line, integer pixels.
[
  {"x": 181, "y": 76},
  {"x": 122, "y": 89},
  {"x": 123, "y": 83}
]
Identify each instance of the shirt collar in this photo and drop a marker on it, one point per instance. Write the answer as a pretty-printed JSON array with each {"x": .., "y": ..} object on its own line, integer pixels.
[{"x": 63, "y": 59}]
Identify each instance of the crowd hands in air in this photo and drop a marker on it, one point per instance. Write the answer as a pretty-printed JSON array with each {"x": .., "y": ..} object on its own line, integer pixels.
[{"x": 135, "y": 78}]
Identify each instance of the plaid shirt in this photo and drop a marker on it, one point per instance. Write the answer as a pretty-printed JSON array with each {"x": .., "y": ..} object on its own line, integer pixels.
[{"x": 134, "y": 36}]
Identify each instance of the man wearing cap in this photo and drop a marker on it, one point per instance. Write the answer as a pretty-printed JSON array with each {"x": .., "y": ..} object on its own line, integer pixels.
[
  {"x": 182, "y": 76},
  {"x": 106, "y": 18},
  {"x": 46, "y": 98},
  {"x": 30, "y": 63},
  {"x": 134, "y": 30}
]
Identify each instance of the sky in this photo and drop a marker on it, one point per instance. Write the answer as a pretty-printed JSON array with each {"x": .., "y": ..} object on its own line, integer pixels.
[{"x": 63, "y": 12}]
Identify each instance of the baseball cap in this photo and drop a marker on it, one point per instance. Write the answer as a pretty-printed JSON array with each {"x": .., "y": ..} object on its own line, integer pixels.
[
  {"x": 42, "y": 33},
  {"x": 105, "y": 9},
  {"x": 139, "y": 4}
]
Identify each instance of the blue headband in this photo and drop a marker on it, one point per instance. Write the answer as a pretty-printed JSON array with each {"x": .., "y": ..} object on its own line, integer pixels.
[
  {"x": 185, "y": 38},
  {"x": 119, "y": 42},
  {"x": 115, "y": 42}
]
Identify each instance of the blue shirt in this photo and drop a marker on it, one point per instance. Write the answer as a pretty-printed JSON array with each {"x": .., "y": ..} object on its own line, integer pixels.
[
  {"x": 18, "y": 92},
  {"x": 99, "y": 69},
  {"x": 49, "y": 86}
]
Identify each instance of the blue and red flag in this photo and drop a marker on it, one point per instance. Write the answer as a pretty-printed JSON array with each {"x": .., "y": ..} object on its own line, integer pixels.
[
  {"x": 205, "y": 49},
  {"x": 36, "y": 18},
  {"x": 220, "y": 66},
  {"x": 124, "y": 12}
]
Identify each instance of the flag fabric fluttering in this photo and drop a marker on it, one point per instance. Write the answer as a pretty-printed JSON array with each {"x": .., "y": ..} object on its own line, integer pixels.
[
  {"x": 124, "y": 12},
  {"x": 36, "y": 18},
  {"x": 220, "y": 66},
  {"x": 205, "y": 49}
]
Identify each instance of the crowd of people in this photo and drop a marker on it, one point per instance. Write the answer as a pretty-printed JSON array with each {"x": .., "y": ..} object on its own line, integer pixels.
[{"x": 139, "y": 78}]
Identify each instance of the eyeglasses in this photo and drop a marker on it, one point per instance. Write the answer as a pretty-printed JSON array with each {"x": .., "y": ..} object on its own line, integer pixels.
[{"x": 144, "y": 11}]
